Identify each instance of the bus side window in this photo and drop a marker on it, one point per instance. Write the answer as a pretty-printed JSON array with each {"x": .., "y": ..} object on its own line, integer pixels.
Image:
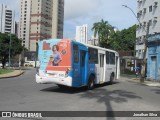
[
  {"x": 112, "y": 58},
  {"x": 75, "y": 53},
  {"x": 107, "y": 57},
  {"x": 93, "y": 56}
]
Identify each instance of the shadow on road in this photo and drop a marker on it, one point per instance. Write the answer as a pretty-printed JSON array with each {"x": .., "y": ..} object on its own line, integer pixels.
[
  {"x": 104, "y": 96},
  {"x": 101, "y": 94},
  {"x": 157, "y": 91},
  {"x": 69, "y": 90}
]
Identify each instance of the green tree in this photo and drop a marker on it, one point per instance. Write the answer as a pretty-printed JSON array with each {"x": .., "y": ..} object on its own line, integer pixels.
[
  {"x": 16, "y": 47},
  {"x": 124, "y": 39},
  {"x": 104, "y": 31}
]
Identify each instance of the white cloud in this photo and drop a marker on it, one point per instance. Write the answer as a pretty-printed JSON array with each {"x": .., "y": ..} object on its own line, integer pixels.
[
  {"x": 78, "y": 8},
  {"x": 78, "y": 12},
  {"x": 81, "y": 11}
]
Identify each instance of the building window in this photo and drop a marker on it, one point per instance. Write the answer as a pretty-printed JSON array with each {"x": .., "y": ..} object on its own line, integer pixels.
[
  {"x": 150, "y": 22},
  {"x": 150, "y": 8}
]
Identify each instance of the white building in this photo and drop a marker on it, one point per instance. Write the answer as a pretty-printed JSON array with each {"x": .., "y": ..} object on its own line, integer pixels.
[
  {"x": 148, "y": 14},
  {"x": 7, "y": 20},
  {"x": 39, "y": 20},
  {"x": 93, "y": 40},
  {"x": 82, "y": 34}
]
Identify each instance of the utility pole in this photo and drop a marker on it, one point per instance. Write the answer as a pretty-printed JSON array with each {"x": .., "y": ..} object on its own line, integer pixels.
[{"x": 143, "y": 66}]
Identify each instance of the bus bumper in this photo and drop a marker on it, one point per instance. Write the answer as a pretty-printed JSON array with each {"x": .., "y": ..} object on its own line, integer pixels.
[{"x": 67, "y": 81}]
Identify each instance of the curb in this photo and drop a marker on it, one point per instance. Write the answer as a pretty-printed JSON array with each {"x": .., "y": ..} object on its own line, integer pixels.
[
  {"x": 13, "y": 75},
  {"x": 151, "y": 84}
]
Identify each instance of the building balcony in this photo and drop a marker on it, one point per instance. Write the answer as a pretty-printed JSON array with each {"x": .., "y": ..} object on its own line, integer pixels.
[
  {"x": 140, "y": 42},
  {"x": 8, "y": 19},
  {"x": 8, "y": 22},
  {"x": 154, "y": 38}
]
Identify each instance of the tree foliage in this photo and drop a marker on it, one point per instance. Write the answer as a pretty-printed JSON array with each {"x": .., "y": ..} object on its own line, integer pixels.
[
  {"x": 125, "y": 39},
  {"x": 104, "y": 30},
  {"x": 15, "y": 48},
  {"x": 117, "y": 40}
]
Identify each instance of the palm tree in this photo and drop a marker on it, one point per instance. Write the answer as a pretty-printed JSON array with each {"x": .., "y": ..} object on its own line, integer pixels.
[{"x": 104, "y": 31}]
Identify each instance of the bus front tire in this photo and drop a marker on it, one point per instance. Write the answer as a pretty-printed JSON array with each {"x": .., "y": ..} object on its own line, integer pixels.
[{"x": 90, "y": 85}]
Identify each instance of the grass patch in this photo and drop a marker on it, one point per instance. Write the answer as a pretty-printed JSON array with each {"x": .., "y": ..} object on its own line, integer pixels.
[{"x": 5, "y": 71}]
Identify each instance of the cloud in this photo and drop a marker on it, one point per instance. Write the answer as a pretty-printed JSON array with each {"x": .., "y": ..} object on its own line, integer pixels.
[
  {"x": 78, "y": 12},
  {"x": 78, "y": 8}
]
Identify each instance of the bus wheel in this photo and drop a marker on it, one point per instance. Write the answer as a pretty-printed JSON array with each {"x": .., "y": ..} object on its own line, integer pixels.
[
  {"x": 111, "y": 79},
  {"x": 90, "y": 85}
]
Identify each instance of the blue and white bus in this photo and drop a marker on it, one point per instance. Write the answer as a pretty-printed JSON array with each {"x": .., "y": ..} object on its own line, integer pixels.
[{"x": 74, "y": 64}]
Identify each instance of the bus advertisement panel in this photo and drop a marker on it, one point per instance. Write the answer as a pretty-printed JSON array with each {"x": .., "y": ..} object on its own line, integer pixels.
[{"x": 55, "y": 61}]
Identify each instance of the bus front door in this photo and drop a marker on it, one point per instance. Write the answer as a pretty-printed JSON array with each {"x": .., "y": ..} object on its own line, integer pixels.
[{"x": 82, "y": 66}]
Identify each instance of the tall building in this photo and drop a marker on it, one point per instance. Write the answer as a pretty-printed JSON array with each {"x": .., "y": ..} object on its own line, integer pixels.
[
  {"x": 41, "y": 19},
  {"x": 57, "y": 18},
  {"x": 7, "y": 20},
  {"x": 24, "y": 23},
  {"x": 149, "y": 18},
  {"x": 82, "y": 33}
]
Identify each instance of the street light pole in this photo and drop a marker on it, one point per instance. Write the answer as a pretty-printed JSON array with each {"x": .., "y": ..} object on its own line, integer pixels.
[
  {"x": 10, "y": 51},
  {"x": 143, "y": 66},
  {"x": 135, "y": 16}
]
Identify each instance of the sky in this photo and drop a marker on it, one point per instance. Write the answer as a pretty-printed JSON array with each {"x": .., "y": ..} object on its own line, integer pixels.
[{"x": 79, "y": 12}]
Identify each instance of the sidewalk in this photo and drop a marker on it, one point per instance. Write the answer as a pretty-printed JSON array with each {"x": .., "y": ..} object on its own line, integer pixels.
[
  {"x": 132, "y": 78},
  {"x": 12, "y": 74}
]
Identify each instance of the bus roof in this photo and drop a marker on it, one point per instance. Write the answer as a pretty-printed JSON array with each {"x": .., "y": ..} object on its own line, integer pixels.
[
  {"x": 88, "y": 45},
  {"x": 96, "y": 47}
]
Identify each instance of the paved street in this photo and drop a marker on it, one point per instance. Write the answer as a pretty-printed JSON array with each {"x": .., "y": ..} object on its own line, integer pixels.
[{"x": 24, "y": 94}]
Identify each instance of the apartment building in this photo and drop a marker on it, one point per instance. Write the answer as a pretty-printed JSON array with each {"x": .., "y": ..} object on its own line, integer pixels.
[
  {"x": 41, "y": 19},
  {"x": 149, "y": 18},
  {"x": 7, "y": 20},
  {"x": 57, "y": 18},
  {"x": 24, "y": 23},
  {"x": 82, "y": 33}
]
